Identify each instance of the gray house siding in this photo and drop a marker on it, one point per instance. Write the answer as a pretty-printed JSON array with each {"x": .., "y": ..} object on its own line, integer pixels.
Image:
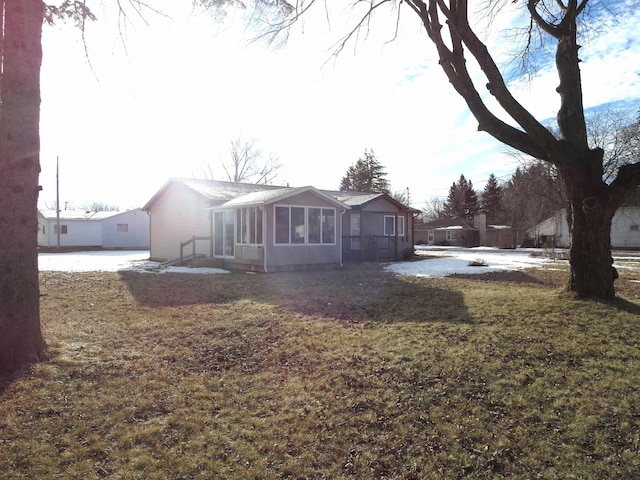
[
  {"x": 374, "y": 242},
  {"x": 288, "y": 256},
  {"x": 303, "y": 256}
]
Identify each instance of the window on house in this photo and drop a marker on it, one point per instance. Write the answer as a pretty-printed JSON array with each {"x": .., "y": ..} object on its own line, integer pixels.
[
  {"x": 282, "y": 224},
  {"x": 315, "y": 225},
  {"x": 322, "y": 225},
  {"x": 228, "y": 233},
  {"x": 63, "y": 229},
  {"x": 389, "y": 225},
  {"x": 300, "y": 225},
  {"x": 328, "y": 225},
  {"x": 450, "y": 235},
  {"x": 290, "y": 225},
  {"x": 400, "y": 226},
  {"x": 297, "y": 225},
  {"x": 249, "y": 225},
  {"x": 634, "y": 228},
  {"x": 122, "y": 227}
]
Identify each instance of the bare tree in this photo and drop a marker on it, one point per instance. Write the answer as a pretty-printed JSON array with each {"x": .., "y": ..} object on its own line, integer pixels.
[
  {"x": 591, "y": 201},
  {"x": 618, "y": 136},
  {"x": 555, "y": 24},
  {"x": 434, "y": 209},
  {"x": 246, "y": 163},
  {"x": 100, "y": 207}
]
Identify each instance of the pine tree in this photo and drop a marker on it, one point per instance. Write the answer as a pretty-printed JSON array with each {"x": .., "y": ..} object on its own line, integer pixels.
[
  {"x": 492, "y": 200},
  {"x": 462, "y": 200},
  {"x": 366, "y": 175}
]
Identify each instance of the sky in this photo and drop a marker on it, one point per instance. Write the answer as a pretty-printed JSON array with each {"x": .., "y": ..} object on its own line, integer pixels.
[{"x": 135, "y": 103}]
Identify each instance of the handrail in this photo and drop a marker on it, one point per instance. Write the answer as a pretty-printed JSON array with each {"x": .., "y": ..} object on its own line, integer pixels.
[{"x": 191, "y": 241}]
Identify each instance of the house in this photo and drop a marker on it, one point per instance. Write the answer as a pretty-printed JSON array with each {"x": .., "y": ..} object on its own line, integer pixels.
[
  {"x": 90, "y": 229},
  {"x": 554, "y": 231},
  {"x": 269, "y": 228},
  {"x": 376, "y": 227},
  {"x": 457, "y": 231}
]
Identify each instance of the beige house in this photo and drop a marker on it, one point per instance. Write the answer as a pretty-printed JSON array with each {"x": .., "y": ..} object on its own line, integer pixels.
[{"x": 268, "y": 228}]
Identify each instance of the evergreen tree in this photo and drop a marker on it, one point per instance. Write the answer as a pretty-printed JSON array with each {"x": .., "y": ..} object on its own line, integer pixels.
[
  {"x": 462, "y": 200},
  {"x": 492, "y": 198},
  {"x": 366, "y": 175}
]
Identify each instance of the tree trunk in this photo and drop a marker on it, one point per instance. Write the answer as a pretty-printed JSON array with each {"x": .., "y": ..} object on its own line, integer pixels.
[
  {"x": 21, "y": 339},
  {"x": 592, "y": 271},
  {"x": 590, "y": 215}
]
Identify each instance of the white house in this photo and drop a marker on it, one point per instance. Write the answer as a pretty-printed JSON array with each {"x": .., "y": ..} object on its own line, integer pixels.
[
  {"x": 625, "y": 229},
  {"x": 89, "y": 229}
]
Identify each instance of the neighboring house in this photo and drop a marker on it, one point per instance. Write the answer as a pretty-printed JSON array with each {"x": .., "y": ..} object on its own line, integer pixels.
[
  {"x": 554, "y": 231},
  {"x": 262, "y": 227},
  {"x": 456, "y": 231},
  {"x": 89, "y": 229}
]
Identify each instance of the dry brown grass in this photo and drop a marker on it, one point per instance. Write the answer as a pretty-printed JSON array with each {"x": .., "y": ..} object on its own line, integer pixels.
[{"x": 343, "y": 374}]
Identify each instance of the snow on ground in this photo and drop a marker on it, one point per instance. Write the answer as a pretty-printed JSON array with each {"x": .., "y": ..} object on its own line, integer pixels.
[
  {"x": 441, "y": 261},
  {"x": 456, "y": 260},
  {"x": 110, "y": 261}
]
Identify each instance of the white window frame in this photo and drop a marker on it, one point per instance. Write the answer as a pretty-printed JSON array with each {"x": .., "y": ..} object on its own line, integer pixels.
[
  {"x": 449, "y": 235},
  {"x": 324, "y": 211},
  {"x": 401, "y": 226},
  {"x": 307, "y": 208},
  {"x": 244, "y": 215},
  {"x": 122, "y": 227},
  {"x": 63, "y": 229},
  {"x": 386, "y": 233},
  {"x": 224, "y": 247}
]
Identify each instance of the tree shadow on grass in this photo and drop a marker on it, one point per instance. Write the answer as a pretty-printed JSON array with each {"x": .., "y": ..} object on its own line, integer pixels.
[
  {"x": 626, "y": 306},
  {"x": 520, "y": 277},
  {"x": 354, "y": 293}
]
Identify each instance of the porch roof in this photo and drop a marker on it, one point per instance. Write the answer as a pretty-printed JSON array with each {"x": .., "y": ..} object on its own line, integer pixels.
[{"x": 266, "y": 197}]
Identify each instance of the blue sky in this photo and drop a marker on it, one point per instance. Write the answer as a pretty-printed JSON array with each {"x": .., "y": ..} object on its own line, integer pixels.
[{"x": 168, "y": 103}]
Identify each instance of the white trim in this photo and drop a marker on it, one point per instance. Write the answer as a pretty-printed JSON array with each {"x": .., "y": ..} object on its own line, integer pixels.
[
  {"x": 306, "y": 226},
  {"x": 264, "y": 238},
  {"x": 384, "y": 226}
]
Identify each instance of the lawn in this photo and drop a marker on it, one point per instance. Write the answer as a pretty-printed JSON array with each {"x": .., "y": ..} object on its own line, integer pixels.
[{"x": 354, "y": 373}]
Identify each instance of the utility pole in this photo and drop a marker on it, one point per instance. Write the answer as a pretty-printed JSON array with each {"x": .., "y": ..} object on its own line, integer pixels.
[{"x": 58, "y": 199}]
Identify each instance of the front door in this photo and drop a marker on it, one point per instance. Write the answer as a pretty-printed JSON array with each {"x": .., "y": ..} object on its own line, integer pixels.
[{"x": 430, "y": 237}]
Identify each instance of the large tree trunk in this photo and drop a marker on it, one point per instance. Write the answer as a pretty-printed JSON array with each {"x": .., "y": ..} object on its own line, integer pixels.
[
  {"x": 21, "y": 339},
  {"x": 592, "y": 271},
  {"x": 590, "y": 212}
]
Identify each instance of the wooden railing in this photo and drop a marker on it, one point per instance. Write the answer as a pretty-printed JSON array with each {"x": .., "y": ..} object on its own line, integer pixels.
[
  {"x": 192, "y": 241},
  {"x": 368, "y": 247}
]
